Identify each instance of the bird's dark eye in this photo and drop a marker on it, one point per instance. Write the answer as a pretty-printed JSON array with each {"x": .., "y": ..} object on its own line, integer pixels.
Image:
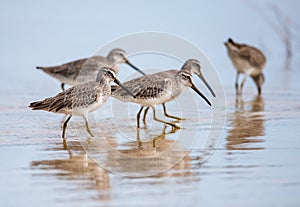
[
  {"x": 186, "y": 76},
  {"x": 111, "y": 74}
]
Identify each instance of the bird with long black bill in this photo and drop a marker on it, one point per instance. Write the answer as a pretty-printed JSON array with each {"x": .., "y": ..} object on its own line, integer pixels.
[
  {"x": 81, "y": 99},
  {"x": 86, "y": 69},
  {"x": 162, "y": 87}
]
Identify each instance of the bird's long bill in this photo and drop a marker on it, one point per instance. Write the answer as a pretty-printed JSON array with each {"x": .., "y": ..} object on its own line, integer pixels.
[
  {"x": 131, "y": 65},
  {"x": 121, "y": 85},
  {"x": 207, "y": 85},
  {"x": 200, "y": 94}
]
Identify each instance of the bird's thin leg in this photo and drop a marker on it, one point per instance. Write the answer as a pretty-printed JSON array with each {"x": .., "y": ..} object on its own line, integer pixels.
[
  {"x": 259, "y": 90},
  {"x": 237, "y": 83},
  {"x": 159, "y": 120},
  {"x": 65, "y": 118},
  {"x": 65, "y": 126},
  {"x": 87, "y": 126},
  {"x": 138, "y": 117},
  {"x": 243, "y": 82},
  {"x": 168, "y": 115},
  {"x": 145, "y": 115},
  {"x": 164, "y": 131},
  {"x": 62, "y": 86}
]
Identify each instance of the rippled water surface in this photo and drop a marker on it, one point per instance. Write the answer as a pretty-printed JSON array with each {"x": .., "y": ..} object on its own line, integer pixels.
[
  {"x": 256, "y": 160},
  {"x": 254, "y": 156}
]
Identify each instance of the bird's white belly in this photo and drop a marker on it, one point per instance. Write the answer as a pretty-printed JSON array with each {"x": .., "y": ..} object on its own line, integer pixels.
[
  {"x": 95, "y": 105},
  {"x": 241, "y": 65},
  {"x": 79, "y": 111},
  {"x": 253, "y": 71},
  {"x": 153, "y": 101},
  {"x": 244, "y": 67}
]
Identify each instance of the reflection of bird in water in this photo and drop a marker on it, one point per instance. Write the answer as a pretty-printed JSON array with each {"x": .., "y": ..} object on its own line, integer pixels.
[
  {"x": 145, "y": 158},
  {"x": 247, "y": 124},
  {"x": 77, "y": 167},
  {"x": 247, "y": 60}
]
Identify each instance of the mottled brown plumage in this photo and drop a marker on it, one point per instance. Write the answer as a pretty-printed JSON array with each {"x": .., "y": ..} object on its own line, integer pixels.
[
  {"x": 85, "y": 70},
  {"x": 79, "y": 96},
  {"x": 81, "y": 99},
  {"x": 159, "y": 88},
  {"x": 247, "y": 60}
]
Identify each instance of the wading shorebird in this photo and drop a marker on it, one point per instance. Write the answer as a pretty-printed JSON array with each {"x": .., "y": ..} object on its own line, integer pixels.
[
  {"x": 247, "y": 60},
  {"x": 81, "y": 99},
  {"x": 85, "y": 70},
  {"x": 159, "y": 88}
]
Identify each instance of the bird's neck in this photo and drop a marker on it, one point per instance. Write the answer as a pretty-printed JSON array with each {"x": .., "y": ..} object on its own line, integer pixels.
[
  {"x": 110, "y": 58},
  {"x": 102, "y": 79},
  {"x": 187, "y": 69},
  {"x": 185, "y": 72},
  {"x": 113, "y": 59}
]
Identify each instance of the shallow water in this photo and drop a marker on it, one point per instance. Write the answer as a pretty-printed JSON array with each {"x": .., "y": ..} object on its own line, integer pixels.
[{"x": 255, "y": 163}]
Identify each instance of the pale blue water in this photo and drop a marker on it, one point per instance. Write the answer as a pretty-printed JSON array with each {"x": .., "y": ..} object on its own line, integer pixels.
[{"x": 255, "y": 163}]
